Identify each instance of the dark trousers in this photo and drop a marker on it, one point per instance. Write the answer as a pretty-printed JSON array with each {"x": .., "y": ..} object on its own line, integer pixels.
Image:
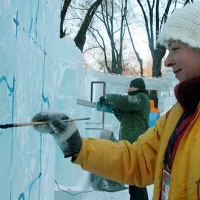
[{"x": 137, "y": 193}]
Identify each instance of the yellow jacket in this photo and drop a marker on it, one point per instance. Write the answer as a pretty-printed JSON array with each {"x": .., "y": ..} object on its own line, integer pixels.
[{"x": 141, "y": 163}]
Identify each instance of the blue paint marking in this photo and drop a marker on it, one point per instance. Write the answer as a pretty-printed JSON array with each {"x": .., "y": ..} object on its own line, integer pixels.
[
  {"x": 31, "y": 184},
  {"x": 21, "y": 197},
  {"x": 10, "y": 190},
  {"x": 11, "y": 194},
  {"x": 40, "y": 162},
  {"x": 30, "y": 29},
  {"x": 33, "y": 25},
  {"x": 45, "y": 100},
  {"x": 16, "y": 23},
  {"x": 11, "y": 89},
  {"x": 28, "y": 32},
  {"x": 36, "y": 18}
]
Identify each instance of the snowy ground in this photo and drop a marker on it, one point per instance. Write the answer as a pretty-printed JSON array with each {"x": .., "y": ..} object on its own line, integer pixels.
[
  {"x": 98, "y": 195},
  {"x": 91, "y": 194}
]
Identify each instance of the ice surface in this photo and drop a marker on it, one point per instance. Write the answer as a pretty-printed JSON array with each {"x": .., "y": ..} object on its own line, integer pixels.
[
  {"x": 91, "y": 194},
  {"x": 39, "y": 72}
]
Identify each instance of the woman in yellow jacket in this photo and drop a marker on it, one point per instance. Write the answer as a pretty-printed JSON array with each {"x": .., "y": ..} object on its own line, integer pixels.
[{"x": 168, "y": 154}]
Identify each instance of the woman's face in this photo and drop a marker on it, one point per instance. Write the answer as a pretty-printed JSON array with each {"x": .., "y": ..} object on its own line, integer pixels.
[{"x": 184, "y": 60}]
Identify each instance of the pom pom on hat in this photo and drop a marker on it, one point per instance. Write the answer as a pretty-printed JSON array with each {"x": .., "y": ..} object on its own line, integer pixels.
[
  {"x": 183, "y": 25},
  {"x": 138, "y": 83}
]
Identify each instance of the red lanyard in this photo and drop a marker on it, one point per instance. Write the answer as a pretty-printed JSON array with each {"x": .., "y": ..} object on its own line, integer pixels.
[{"x": 176, "y": 137}]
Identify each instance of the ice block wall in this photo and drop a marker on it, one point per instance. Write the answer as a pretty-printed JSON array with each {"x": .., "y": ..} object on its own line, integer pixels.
[{"x": 29, "y": 36}]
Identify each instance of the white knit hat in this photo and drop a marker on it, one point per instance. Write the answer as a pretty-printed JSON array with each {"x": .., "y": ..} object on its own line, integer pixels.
[{"x": 183, "y": 25}]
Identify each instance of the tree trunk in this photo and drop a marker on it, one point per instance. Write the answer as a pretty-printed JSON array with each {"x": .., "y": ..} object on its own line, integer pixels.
[
  {"x": 157, "y": 55},
  {"x": 81, "y": 35},
  {"x": 62, "y": 17}
]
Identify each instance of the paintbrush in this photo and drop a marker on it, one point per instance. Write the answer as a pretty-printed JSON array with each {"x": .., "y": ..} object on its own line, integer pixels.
[{"x": 4, "y": 126}]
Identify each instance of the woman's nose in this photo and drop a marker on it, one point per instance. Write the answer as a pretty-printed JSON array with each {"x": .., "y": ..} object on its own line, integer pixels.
[{"x": 169, "y": 61}]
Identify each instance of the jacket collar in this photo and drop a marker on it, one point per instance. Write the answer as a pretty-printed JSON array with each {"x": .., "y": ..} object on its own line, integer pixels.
[{"x": 188, "y": 94}]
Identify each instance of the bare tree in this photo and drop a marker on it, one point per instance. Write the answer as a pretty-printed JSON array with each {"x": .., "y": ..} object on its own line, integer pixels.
[
  {"x": 109, "y": 13},
  {"x": 153, "y": 23},
  {"x": 139, "y": 59},
  {"x": 107, "y": 17},
  {"x": 81, "y": 35},
  {"x": 62, "y": 17}
]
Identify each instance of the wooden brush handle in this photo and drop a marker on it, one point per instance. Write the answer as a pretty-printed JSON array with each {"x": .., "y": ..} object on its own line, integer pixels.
[{"x": 36, "y": 123}]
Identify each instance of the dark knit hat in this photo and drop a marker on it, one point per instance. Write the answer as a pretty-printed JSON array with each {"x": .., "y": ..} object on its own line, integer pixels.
[{"x": 138, "y": 83}]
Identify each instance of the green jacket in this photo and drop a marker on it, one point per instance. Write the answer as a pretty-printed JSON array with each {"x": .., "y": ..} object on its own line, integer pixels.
[{"x": 135, "y": 109}]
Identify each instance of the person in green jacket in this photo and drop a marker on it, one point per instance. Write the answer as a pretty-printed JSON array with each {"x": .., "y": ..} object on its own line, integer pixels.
[
  {"x": 132, "y": 110},
  {"x": 133, "y": 113},
  {"x": 166, "y": 155}
]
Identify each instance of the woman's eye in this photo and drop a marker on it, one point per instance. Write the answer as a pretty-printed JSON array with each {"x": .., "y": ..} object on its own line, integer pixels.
[{"x": 174, "y": 49}]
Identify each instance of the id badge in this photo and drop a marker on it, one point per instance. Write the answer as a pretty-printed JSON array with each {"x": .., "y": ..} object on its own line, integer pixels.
[{"x": 165, "y": 185}]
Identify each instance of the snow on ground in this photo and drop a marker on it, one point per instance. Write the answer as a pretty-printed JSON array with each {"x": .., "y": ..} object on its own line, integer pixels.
[
  {"x": 91, "y": 194},
  {"x": 99, "y": 195}
]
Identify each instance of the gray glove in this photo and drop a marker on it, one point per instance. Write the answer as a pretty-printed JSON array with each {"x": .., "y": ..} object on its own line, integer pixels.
[{"x": 65, "y": 134}]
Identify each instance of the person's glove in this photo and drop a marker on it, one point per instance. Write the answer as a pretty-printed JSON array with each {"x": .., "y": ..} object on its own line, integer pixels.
[
  {"x": 65, "y": 134},
  {"x": 102, "y": 99},
  {"x": 117, "y": 110},
  {"x": 101, "y": 102}
]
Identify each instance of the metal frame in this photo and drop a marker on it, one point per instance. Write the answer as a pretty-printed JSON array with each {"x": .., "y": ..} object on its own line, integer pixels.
[{"x": 91, "y": 99}]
